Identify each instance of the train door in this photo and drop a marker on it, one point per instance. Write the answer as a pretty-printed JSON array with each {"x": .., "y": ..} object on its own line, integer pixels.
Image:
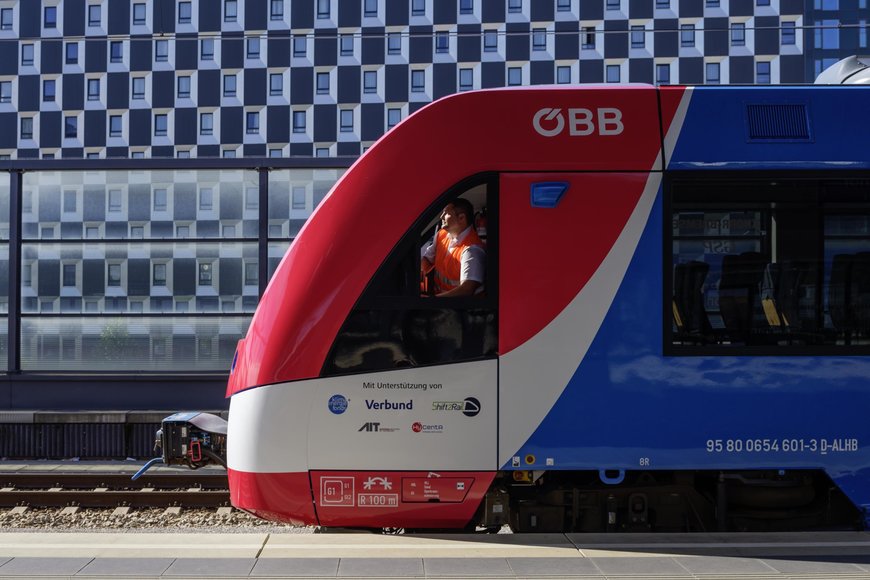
[
  {"x": 566, "y": 241},
  {"x": 414, "y": 373}
]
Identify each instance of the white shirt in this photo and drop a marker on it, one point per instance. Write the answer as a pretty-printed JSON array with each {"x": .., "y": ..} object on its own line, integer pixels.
[{"x": 472, "y": 260}]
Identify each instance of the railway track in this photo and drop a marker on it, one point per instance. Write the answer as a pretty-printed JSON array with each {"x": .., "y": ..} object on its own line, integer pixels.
[{"x": 112, "y": 490}]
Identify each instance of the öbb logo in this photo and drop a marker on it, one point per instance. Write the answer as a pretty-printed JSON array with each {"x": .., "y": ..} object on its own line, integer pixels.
[{"x": 581, "y": 122}]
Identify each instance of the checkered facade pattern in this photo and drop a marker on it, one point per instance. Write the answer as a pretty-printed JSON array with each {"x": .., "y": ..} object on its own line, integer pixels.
[{"x": 232, "y": 78}]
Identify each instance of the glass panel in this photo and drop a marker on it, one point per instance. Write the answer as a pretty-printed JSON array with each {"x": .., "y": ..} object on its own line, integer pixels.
[
  {"x": 293, "y": 195},
  {"x": 137, "y": 278},
  {"x": 164, "y": 344},
  {"x": 4, "y": 206},
  {"x": 109, "y": 204}
]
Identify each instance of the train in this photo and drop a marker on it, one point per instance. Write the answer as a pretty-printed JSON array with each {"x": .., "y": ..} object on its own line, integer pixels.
[{"x": 673, "y": 332}]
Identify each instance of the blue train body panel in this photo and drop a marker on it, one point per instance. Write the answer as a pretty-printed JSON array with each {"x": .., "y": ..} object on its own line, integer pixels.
[{"x": 628, "y": 406}]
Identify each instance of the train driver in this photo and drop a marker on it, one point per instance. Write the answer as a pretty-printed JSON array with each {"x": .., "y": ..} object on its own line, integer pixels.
[{"x": 456, "y": 253}]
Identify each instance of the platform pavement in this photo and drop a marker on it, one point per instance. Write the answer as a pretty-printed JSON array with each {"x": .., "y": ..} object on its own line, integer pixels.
[{"x": 355, "y": 555}]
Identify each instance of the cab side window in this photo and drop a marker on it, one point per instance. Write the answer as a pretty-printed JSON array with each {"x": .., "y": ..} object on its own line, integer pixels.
[{"x": 407, "y": 316}]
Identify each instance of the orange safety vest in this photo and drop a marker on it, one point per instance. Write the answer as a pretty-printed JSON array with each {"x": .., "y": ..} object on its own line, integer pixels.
[{"x": 448, "y": 263}]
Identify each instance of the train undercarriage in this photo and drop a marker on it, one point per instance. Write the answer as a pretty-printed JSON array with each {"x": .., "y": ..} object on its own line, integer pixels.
[{"x": 668, "y": 501}]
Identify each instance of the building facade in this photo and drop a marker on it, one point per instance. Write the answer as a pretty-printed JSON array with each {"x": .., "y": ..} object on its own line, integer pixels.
[{"x": 209, "y": 78}]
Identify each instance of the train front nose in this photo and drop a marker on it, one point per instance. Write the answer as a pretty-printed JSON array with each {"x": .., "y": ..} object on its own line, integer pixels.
[{"x": 280, "y": 497}]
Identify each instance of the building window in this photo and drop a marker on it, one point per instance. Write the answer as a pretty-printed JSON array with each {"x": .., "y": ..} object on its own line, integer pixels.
[
  {"x": 205, "y": 273},
  {"x": 27, "y": 127},
  {"x": 252, "y": 123},
  {"x": 612, "y": 73},
  {"x": 72, "y": 53},
  {"x": 394, "y": 43},
  {"x": 466, "y": 6},
  {"x": 185, "y": 13},
  {"x": 277, "y": 152},
  {"x": 253, "y": 48},
  {"x": 252, "y": 274},
  {"x": 394, "y": 115},
  {"x": 687, "y": 35},
  {"x": 115, "y": 125},
  {"x": 663, "y": 74},
  {"x": 346, "y": 120},
  {"x": 298, "y": 199},
  {"x": 228, "y": 231},
  {"x": 276, "y": 84},
  {"x": 182, "y": 231},
  {"x": 138, "y": 14},
  {"x": 184, "y": 87},
  {"x": 276, "y": 10},
  {"x": 69, "y": 201},
  {"x": 252, "y": 198},
  {"x": 137, "y": 232},
  {"x": 762, "y": 2},
  {"x": 300, "y": 46},
  {"x": 762, "y": 72},
  {"x": 418, "y": 7},
  {"x": 322, "y": 81},
  {"x": 712, "y": 73},
  {"x": 563, "y": 5},
  {"x": 515, "y": 6},
  {"x": 323, "y": 8},
  {"x": 231, "y": 10},
  {"x": 206, "y": 123},
  {"x": 27, "y": 52},
  {"x": 94, "y": 14},
  {"x": 663, "y": 4},
  {"x": 418, "y": 81},
  {"x": 638, "y": 36},
  {"x": 5, "y": 91},
  {"x": 50, "y": 17},
  {"x": 159, "y": 275},
  {"x": 466, "y": 79},
  {"x": 138, "y": 88},
  {"x": 6, "y": 19},
  {"x": 738, "y": 34},
  {"x": 539, "y": 39},
  {"x": 370, "y": 81},
  {"x": 161, "y": 124},
  {"x": 206, "y": 49},
  {"x": 69, "y": 275},
  {"x": 442, "y": 42},
  {"x": 490, "y": 41},
  {"x": 114, "y": 274},
  {"x": 160, "y": 198},
  {"x": 161, "y": 51},
  {"x": 49, "y": 90},
  {"x": 70, "y": 127},
  {"x": 514, "y": 76},
  {"x": 788, "y": 33},
  {"x": 206, "y": 198},
  {"x": 613, "y": 4},
  {"x": 229, "y": 85},
  {"x": 346, "y": 44},
  {"x": 712, "y": 3},
  {"x": 370, "y": 8},
  {"x": 114, "y": 200},
  {"x": 93, "y": 89},
  {"x": 298, "y": 121},
  {"x": 116, "y": 51},
  {"x": 563, "y": 75},
  {"x": 588, "y": 38}
]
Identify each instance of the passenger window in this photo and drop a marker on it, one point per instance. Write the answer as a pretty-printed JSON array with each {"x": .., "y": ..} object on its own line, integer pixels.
[
  {"x": 776, "y": 265},
  {"x": 401, "y": 322}
]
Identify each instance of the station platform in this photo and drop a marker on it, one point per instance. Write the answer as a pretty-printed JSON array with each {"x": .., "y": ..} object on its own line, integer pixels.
[{"x": 510, "y": 556}]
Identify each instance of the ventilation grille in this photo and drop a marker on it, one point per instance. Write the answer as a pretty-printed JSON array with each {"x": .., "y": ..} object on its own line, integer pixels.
[{"x": 783, "y": 122}]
